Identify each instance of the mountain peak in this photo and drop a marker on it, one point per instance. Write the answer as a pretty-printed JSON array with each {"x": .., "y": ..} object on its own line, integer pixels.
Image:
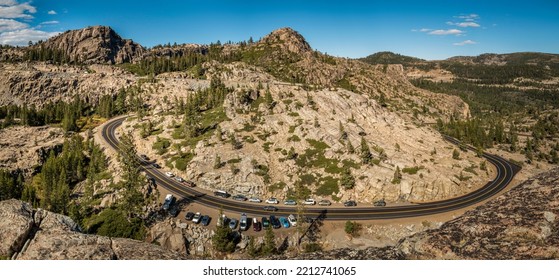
[
  {"x": 94, "y": 44},
  {"x": 288, "y": 39}
]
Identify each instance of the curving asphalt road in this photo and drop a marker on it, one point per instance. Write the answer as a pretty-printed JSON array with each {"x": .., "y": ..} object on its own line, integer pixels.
[{"x": 505, "y": 173}]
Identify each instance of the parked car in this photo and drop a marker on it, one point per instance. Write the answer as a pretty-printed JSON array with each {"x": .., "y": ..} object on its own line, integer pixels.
[
  {"x": 380, "y": 203},
  {"x": 239, "y": 197},
  {"x": 265, "y": 222},
  {"x": 350, "y": 203},
  {"x": 179, "y": 179},
  {"x": 206, "y": 220},
  {"x": 223, "y": 194},
  {"x": 272, "y": 200},
  {"x": 243, "y": 224},
  {"x": 309, "y": 201},
  {"x": 196, "y": 218},
  {"x": 189, "y": 216},
  {"x": 270, "y": 208},
  {"x": 274, "y": 222},
  {"x": 254, "y": 199},
  {"x": 256, "y": 225},
  {"x": 324, "y": 202},
  {"x": 292, "y": 220},
  {"x": 290, "y": 202},
  {"x": 169, "y": 199},
  {"x": 155, "y": 165},
  {"x": 233, "y": 223},
  {"x": 284, "y": 222},
  {"x": 169, "y": 174}
]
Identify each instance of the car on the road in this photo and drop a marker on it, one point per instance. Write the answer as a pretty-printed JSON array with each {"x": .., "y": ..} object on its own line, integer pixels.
[
  {"x": 256, "y": 225},
  {"x": 223, "y": 194},
  {"x": 290, "y": 202},
  {"x": 179, "y": 179},
  {"x": 292, "y": 220},
  {"x": 233, "y": 223},
  {"x": 169, "y": 174},
  {"x": 243, "y": 222},
  {"x": 309, "y": 201},
  {"x": 270, "y": 208},
  {"x": 254, "y": 199},
  {"x": 205, "y": 220},
  {"x": 144, "y": 157},
  {"x": 197, "y": 217},
  {"x": 380, "y": 203},
  {"x": 350, "y": 203},
  {"x": 155, "y": 165},
  {"x": 190, "y": 184},
  {"x": 239, "y": 197},
  {"x": 265, "y": 222},
  {"x": 169, "y": 199},
  {"x": 272, "y": 200},
  {"x": 284, "y": 222},
  {"x": 324, "y": 202},
  {"x": 189, "y": 216},
  {"x": 275, "y": 222},
  {"x": 222, "y": 220}
]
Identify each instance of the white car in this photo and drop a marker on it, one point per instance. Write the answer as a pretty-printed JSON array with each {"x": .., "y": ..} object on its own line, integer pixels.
[
  {"x": 309, "y": 201},
  {"x": 197, "y": 217},
  {"x": 292, "y": 220},
  {"x": 179, "y": 179},
  {"x": 272, "y": 200},
  {"x": 169, "y": 174},
  {"x": 254, "y": 199}
]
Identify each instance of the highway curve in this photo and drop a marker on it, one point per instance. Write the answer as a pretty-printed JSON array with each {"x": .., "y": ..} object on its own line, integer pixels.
[{"x": 505, "y": 173}]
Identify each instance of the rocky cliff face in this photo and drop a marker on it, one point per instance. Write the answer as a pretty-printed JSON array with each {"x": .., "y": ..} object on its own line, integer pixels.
[
  {"x": 97, "y": 44},
  {"x": 521, "y": 224},
  {"x": 35, "y": 234}
]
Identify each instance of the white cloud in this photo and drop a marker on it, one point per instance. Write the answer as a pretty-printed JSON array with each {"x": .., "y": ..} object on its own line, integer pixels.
[
  {"x": 8, "y": 2},
  {"x": 468, "y": 17},
  {"x": 23, "y": 36},
  {"x": 446, "y": 32},
  {"x": 52, "y": 12},
  {"x": 11, "y": 25},
  {"x": 464, "y": 24},
  {"x": 425, "y": 29},
  {"x": 17, "y": 10},
  {"x": 467, "y": 42},
  {"x": 50, "y": 22}
]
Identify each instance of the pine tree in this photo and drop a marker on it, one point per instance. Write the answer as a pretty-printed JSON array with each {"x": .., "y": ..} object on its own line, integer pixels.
[
  {"x": 366, "y": 155},
  {"x": 397, "y": 176},
  {"x": 343, "y": 133},
  {"x": 269, "y": 247},
  {"x": 347, "y": 180},
  {"x": 455, "y": 154},
  {"x": 350, "y": 148}
]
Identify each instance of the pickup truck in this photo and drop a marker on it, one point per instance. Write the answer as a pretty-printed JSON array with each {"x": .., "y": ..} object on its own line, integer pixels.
[{"x": 169, "y": 199}]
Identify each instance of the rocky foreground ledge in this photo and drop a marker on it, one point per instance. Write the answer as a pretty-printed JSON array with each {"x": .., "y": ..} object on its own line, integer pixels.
[
  {"x": 521, "y": 224},
  {"x": 31, "y": 234}
]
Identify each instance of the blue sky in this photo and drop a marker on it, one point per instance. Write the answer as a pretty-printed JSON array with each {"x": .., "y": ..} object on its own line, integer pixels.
[{"x": 425, "y": 29}]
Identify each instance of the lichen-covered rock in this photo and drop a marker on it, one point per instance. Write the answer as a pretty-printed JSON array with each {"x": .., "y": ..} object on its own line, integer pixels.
[{"x": 28, "y": 234}]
